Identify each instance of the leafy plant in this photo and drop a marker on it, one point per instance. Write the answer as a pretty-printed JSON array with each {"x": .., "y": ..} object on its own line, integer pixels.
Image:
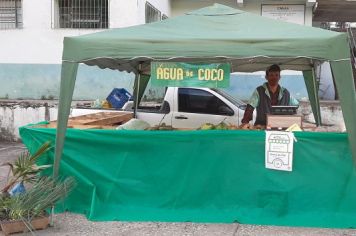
[
  {"x": 33, "y": 203},
  {"x": 25, "y": 169},
  {"x": 43, "y": 194},
  {"x": 4, "y": 201}
]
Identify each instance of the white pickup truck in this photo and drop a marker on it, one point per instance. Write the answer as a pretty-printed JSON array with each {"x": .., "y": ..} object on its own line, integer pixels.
[
  {"x": 192, "y": 107},
  {"x": 186, "y": 108}
]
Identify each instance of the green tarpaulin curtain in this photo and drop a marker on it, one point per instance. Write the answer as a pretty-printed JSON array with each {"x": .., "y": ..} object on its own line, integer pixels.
[{"x": 204, "y": 176}]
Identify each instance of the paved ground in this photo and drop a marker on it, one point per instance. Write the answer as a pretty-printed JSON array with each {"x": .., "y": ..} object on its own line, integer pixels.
[{"x": 73, "y": 224}]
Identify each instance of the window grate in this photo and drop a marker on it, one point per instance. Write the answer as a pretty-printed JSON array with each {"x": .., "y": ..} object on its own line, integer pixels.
[
  {"x": 81, "y": 14},
  {"x": 10, "y": 14},
  {"x": 152, "y": 13}
]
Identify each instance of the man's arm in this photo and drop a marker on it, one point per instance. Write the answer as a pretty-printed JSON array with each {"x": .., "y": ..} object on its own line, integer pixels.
[
  {"x": 253, "y": 102},
  {"x": 248, "y": 114}
]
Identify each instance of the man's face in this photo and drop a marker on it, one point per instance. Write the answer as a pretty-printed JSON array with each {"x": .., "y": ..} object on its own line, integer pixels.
[{"x": 273, "y": 78}]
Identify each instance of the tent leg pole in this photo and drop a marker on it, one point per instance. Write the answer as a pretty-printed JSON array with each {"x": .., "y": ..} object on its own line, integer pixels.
[{"x": 138, "y": 78}]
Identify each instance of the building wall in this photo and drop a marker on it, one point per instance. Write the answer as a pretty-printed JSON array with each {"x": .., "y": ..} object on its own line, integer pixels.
[
  {"x": 30, "y": 58},
  {"x": 16, "y": 114},
  {"x": 38, "y": 43},
  {"x": 134, "y": 11}
]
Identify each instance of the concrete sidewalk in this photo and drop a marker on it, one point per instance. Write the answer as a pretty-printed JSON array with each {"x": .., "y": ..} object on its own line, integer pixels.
[{"x": 74, "y": 224}]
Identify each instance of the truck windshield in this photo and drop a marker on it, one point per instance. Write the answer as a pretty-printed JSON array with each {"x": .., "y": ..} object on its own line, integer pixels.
[{"x": 237, "y": 102}]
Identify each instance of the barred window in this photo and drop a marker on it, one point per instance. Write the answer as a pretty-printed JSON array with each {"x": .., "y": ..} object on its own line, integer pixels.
[
  {"x": 10, "y": 14},
  {"x": 82, "y": 14},
  {"x": 152, "y": 14}
]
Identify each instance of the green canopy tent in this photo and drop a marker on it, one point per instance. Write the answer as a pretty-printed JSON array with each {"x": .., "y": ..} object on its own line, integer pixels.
[{"x": 213, "y": 34}]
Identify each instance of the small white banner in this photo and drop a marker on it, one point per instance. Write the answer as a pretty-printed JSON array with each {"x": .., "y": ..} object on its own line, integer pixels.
[{"x": 279, "y": 150}]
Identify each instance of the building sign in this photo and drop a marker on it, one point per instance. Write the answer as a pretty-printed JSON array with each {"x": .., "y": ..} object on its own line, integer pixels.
[
  {"x": 178, "y": 74},
  {"x": 285, "y": 12},
  {"x": 279, "y": 150}
]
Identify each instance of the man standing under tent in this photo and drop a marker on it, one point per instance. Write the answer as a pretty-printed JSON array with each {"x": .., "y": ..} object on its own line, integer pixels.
[{"x": 267, "y": 95}]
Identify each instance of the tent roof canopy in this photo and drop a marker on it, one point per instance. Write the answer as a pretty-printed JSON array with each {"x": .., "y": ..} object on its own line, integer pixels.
[{"x": 213, "y": 34}]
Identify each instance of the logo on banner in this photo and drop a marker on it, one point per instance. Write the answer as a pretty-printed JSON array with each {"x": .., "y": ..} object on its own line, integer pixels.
[
  {"x": 178, "y": 74},
  {"x": 279, "y": 150}
]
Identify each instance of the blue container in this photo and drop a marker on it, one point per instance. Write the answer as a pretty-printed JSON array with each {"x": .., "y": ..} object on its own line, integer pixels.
[
  {"x": 19, "y": 188},
  {"x": 118, "y": 97}
]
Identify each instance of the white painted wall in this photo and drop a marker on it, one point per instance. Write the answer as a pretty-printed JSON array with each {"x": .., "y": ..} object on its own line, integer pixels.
[
  {"x": 12, "y": 118},
  {"x": 134, "y": 11},
  {"x": 123, "y": 16},
  {"x": 38, "y": 43},
  {"x": 179, "y": 7}
]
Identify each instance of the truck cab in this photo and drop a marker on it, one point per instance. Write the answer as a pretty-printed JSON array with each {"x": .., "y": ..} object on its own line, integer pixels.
[{"x": 185, "y": 107}]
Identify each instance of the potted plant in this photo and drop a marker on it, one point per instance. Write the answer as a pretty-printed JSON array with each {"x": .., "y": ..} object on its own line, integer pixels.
[{"x": 26, "y": 210}]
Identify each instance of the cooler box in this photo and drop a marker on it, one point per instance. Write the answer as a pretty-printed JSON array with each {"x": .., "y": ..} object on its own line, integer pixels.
[{"x": 118, "y": 97}]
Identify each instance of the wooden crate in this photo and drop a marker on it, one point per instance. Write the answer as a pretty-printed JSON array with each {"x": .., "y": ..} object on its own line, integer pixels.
[
  {"x": 10, "y": 227},
  {"x": 100, "y": 120},
  {"x": 283, "y": 121}
]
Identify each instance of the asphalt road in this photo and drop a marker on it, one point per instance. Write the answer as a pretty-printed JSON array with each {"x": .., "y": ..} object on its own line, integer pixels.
[{"x": 74, "y": 224}]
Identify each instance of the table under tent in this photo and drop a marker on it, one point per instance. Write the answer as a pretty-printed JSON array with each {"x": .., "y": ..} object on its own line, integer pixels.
[{"x": 207, "y": 176}]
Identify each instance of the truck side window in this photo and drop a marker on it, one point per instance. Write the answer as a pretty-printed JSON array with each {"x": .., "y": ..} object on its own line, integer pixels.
[
  {"x": 200, "y": 101},
  {"x": 152, "y": 98}
]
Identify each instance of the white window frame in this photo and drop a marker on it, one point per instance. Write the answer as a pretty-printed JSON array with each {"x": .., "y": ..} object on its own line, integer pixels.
[{"x": 92, "y": 17}]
